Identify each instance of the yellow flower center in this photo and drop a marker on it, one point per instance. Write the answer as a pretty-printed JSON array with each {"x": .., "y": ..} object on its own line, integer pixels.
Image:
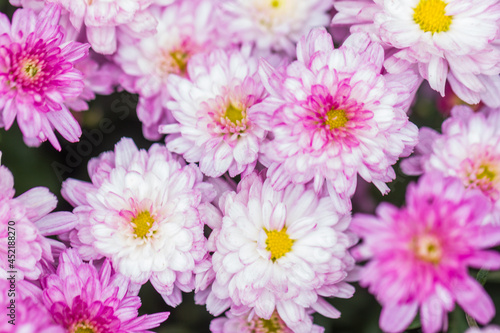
[
  {"x": 275, "y": 3},
  {"x": 234, "y": 114},
  {"x": 272, "y": 325},
  {"x": 485, "y": 172},
  {"x": 431, "y": 16},
  {"x": 335, "y": 118},
  {"x": 180, "y": 59},
  {"x": 278, "y": 243},
  {"x": 428, "y": 248},
  {"x": 82, "y": 327},
  {"x": 143, "y": 222},
  {"x": 84, "y": 330},
  {"x": 31, "y": 70}
]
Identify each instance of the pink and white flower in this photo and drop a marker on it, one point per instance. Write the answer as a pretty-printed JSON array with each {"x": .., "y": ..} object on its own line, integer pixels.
[
  {"x": 468, "y": 148},
  {"x": 249, "y": 323},
  {"x": 144, "y": 211},
  {"x": 24, "y": 223},
  {"x": 217, "y": 111},
  {"x": 333, "y": 115},
  {"x": 419, "y": 255},
  {"x": 184, "y": 29},
  {"x": 82, "y": 299},
  {"x": 37, "y": 75},
  {"x": 102, "y": 18},
  {"x": 272, "y": 25},
  {"x": 455, "y": 41},
  {"x": 279, "y": 252}
]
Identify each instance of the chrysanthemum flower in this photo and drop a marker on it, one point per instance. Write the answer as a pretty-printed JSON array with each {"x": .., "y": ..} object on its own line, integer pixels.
[
  {"x": 249, "y": 323},
  {"x": 24, "y": 223},
  {"x": 333, "y": 115},
  {"x": 279, "y": 253},
  {"x": 37, "y": 5},
  {"x": 82, "y": 299},
  {"x": 468, "y": 148},
  {"x": 420, "y": 254},
  {"x": 444, "y": 40},
  {"x": 184, "y": 29},
  {"x": 37, "y": 76},
  {"x": 142, "y": 211},
  {"x": 24, "y": 312},
  {"x": 102, "y": 18},
  {"x": 217, "y": 111},
  {"x": 272, "y": 25}
]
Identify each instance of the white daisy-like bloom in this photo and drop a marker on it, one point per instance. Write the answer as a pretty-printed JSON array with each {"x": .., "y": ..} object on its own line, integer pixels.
[
  {"x": 468, "y": 148},
  {"x": 217, "y": 110},
  {"x": 444, "y": 40},
  {"x": 279, "y": 251},
  {"x": 273, "y": 25},
  {"x": 143, "y": 211}
]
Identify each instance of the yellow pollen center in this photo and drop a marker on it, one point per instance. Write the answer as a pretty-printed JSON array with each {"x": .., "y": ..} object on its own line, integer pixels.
[
  {"x": 82, "y": 328},
  {"x": 275, "y": 3},
  {"x": 278, "y": 243},
  {"x": 428, "y": 248},
  {"x": 31, "y": 69},
  {"x": 272, "y": 325},
  {"x": 431, "y": 16},
  {"x": 335, "y": 118},
  {"x": 143, "y": 222},
  {"x": 485, "y": 172},
  {"x": 180, "y": 59},
  {"x": 233, "y": 114}
]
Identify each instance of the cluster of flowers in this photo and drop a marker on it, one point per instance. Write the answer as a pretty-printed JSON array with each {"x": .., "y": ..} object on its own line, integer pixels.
[{"x": 254, "y": 89}]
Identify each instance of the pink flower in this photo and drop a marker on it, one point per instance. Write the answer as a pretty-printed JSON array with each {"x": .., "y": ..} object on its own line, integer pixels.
[
  {"x": 419, "y": 255},
  {"x": 82, "y": 299},
  {"x": 278, "y": 253},
  {"x": 249, "y": 323},
  {"x": 332, "y": 116},
  {"x": 185, "y": 28},
  {"x": 468, "y": 148},
  {"x": 217, "y": 111},
  {"x": 24, "y": 223},
  {"x": 145, "y": 211},
  {"x": 37, "y": 76},
  {"x": 455, "y": 41},
  {"x": 24, "y": 312},
  {"x": 101, "y": 18}
]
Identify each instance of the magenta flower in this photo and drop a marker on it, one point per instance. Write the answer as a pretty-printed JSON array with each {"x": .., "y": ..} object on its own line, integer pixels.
[
  {"x": 468, "y": 148},
  {"x": 27, "y": 314},
  {"x": 37, "y": 76},
  {"x": 333, "y": 115},
  {"x": 82, "y": 299},
  {"x": 420, "y": 254},
  {"x": 27, "y": 219}
]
